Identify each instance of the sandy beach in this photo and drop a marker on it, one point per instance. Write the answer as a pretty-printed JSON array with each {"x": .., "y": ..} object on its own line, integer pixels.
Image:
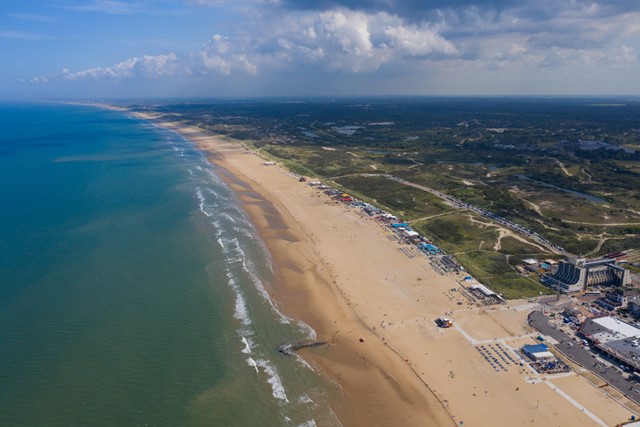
[{"x": 345, "y": 276}]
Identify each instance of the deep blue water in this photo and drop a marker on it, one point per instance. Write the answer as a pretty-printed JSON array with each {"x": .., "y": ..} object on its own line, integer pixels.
[{"x": 132, "y": 286}]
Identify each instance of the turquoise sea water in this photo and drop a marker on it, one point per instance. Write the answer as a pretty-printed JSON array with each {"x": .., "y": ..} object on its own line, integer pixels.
[{"x": 132, "y": 287}]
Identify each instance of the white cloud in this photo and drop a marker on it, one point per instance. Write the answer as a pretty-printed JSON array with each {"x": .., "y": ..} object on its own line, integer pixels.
[
  {"x": 574, "y": 40},
  {"x": 418, "y": 41},
  {"x": 355, "y": 42},
  {"x": 142, "y": 67},
  {"x": 336, "y": 40},
  {"x": 622, "y": 57},
  {"x": 541, "y": 39},
  {"x": 225, "y": 56}
]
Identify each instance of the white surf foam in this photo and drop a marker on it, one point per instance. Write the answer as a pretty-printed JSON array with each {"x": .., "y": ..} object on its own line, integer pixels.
[
  {"x": 227, "y": 216},
  {"x": 247, "y": 346},
  {"x": 241, "y": 312},
  {"x": 202, "y": 203},
  {"x": 230, "y": 247},
  {"x": 311, "y": 333},
  {"x": 274, "y": 380},
  {"x": 257, "y": 283},
  {"x": 253, "y": 364},
  {"x": 246, "y": 233},
  {"x": 303, "y": 362},
  {"x": 305, "y": 399}
]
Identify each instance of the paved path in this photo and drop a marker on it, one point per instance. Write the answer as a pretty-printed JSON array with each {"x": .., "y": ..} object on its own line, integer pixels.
[{"x": 576, "y": 404}]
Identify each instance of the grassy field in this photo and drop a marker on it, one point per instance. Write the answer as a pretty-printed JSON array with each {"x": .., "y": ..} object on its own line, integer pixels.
[
  {"x": 407, "y": 202},
  {"x": 511, "y": 245},
  {"x": 493, "y": 269},
  {"x": 456, "y": 233},
  {"x": 632, "y": 268},
  {"x": 323, "y": 162},
  {"x": 472, "y": 243}
]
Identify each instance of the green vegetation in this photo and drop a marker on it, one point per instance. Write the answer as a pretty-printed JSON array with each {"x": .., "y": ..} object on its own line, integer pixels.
[
  {"x": 456, "y": 233},
  {"x": 565, "y": 168},
  {"x": 493, "y": 269},
  {"x": 617, "y": 245},
  {"x": 473, "y": 242},
  {"x": 632, "y": 268},
  {"x": 323, "y": 162},
  {"x": 407, "y": 202},
  {"x": 511, "y": 245}
]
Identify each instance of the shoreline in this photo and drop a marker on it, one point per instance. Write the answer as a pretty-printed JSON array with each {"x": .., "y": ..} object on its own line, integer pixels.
[
  {"x": 355, "y": 369},
  {"x": 340, "y": 273},
  {"x": 306, "y": 290}
]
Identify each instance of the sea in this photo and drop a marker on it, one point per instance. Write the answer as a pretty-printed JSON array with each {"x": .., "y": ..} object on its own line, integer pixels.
[{"x": 133, "y": 287}]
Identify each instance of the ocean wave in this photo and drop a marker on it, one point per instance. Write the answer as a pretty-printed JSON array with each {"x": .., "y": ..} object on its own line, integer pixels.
[
  {"x": 242, "y": 249},
  {"x": 310, "y": 332},
  {"x": 232, "y": 246},
  {"x": 247, "y": 345},
  {"x": 212, "y": 176},
  {"x": 220, "y": 242},
  {"x": 305, "y": 399},
  {"x": 241, "y": 312},
  {"x": 273, "y": 379},
  {"x": 217, "y": 227},
  {"x": 253, "y": 364},
  {"x": 303, "y": 362},
  {"x": 179, "y": 150},
  {"x": 227, "y": 216},
  {"x": 229, "y": 245},
  {"x": 211, "y": 191},
  {"x": 202, "y": 203},
  {"x": 257, "y": 283},
  {"x": 246, "y": 233}
]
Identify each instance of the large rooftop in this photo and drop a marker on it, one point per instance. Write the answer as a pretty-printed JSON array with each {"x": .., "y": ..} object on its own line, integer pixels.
[
  {"x": 616, "y": 328},
  {"x": 616, "y": 337}
]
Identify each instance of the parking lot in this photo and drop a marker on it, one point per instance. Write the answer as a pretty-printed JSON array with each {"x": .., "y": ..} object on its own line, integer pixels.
[{"x": 585, "y": 358}]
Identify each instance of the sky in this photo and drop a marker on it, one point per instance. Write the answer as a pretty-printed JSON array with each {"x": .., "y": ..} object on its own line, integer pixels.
[{"x": 245, "y": 48}]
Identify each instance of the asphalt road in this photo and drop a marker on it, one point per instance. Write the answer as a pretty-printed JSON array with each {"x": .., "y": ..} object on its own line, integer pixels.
[{"x": 585, "y": 358}]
